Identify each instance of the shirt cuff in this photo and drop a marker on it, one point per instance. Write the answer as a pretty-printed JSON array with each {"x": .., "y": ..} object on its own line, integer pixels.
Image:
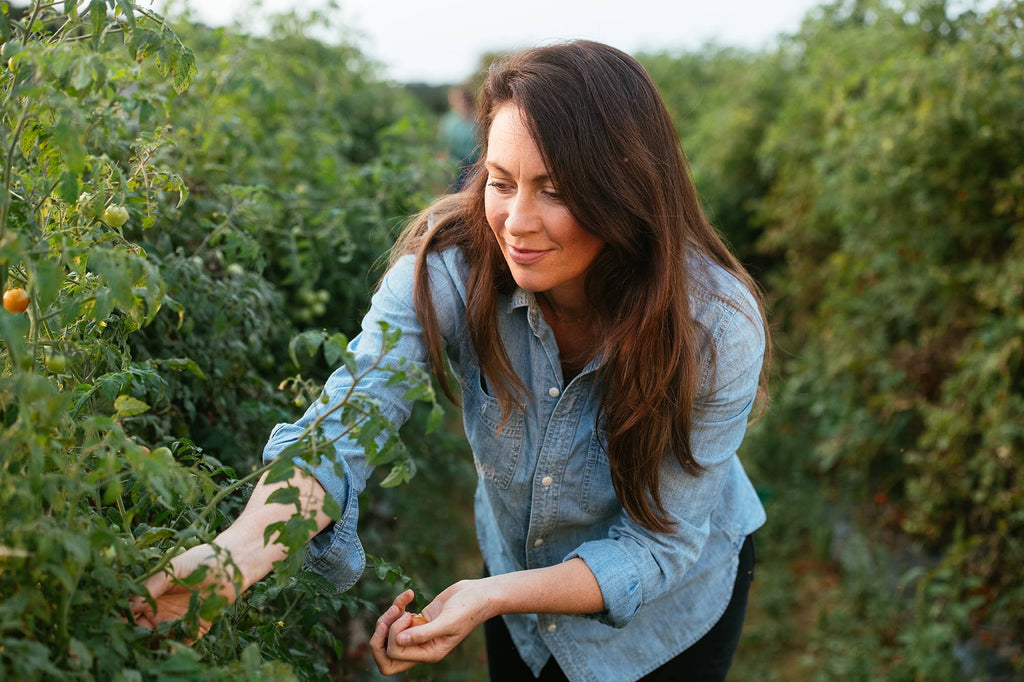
[
  {"x": 336, "y": 552},
  {"x": 618, "y": 578}
]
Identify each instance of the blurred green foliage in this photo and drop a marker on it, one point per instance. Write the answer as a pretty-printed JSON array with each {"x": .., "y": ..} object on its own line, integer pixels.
[{"x": 871, "y": 171}]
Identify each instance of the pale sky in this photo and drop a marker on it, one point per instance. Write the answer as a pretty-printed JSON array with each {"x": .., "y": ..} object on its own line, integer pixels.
[{"x": 441, "y": 41}]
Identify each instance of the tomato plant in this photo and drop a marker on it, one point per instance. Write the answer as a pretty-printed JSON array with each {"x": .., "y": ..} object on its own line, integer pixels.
[{"x": 106, "y": 381}]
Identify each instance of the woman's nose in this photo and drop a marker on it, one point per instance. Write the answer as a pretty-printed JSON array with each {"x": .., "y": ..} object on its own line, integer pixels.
[{"x": 522, "y": 216}]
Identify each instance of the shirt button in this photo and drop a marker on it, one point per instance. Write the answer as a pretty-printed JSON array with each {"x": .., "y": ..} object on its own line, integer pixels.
[
  {"x": 554, "y": 392},
  {"x": 547, "y": 481},
  {"x": 552, "y": 627},
  {"x": 538, "y": 542}
]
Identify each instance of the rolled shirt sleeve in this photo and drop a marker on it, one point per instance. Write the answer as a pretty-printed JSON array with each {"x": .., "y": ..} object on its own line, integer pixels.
[
  {"x": 336, "y": 553},
  {"x": 635, "y": 566}
]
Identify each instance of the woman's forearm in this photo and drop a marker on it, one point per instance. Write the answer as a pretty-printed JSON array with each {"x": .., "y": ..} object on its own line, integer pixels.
[
  {"x": 568, "y": 587},
  {"x": 244, "y": 539}
]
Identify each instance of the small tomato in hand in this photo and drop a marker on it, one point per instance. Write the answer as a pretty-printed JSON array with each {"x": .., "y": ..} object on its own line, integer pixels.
[
  {"x": 419, "y": 619},
  {"x": 115, "y": 215},
  {"x": 15, "y": 300}
]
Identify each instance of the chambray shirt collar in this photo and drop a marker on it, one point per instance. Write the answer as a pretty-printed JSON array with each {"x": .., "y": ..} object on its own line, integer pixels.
[{"x": 521, "y": 298}]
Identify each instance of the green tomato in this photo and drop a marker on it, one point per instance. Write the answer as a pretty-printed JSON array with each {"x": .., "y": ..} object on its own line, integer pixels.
[
  {"x": 56, "y": 362},
  {"x": 10, "y": 48},
  {"x": 115, "y": 215}
]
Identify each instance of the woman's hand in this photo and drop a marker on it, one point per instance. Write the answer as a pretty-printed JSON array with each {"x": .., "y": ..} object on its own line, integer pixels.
[
  {"x": 236, "y": 558},
  {"x": 172, "y": 598},
  {"x": 398, "y": 645}
]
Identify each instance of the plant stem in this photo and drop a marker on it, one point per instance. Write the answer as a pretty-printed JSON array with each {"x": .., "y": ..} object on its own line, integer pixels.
[{"x": 5, "y": 207}]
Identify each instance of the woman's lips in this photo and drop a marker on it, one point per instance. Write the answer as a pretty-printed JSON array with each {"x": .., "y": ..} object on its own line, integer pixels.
[{"x": 525, "y": 256}]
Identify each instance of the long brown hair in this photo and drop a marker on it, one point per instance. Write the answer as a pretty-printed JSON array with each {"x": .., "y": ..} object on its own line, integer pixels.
[{"x": 612, "y": 150}]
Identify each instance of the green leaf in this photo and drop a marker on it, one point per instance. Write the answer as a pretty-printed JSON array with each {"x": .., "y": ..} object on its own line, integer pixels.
[
  {"x": 401, "y": 472},
  {"x": 306, "y": 343},
  {"x": 335, "y": 348},
  {"x": 296, "y": 532},
  {"x": 69, "y": 186},
  {"x": 69, "y": 142},
  {"x": 185, "y": 72},
  {"x": 79, "y": 654},
  {"x": 281, "y": 470},
  {"x": 286, "y": 495},
  {"x": 98, "y": 15},
  {"x": 332, "y": 508},
  {"x": 47, "y": 278},
  {"x": 435, "y": 418},
  {"x": 128, "y": 8},
  {"x": 150, "y": 535},
  {"x": 5, "y": 27},
  {"x": 212, "y": 606},
  {"x": 13, "y": 330},
  {"x": 82, "y": 74},
  {"x": 251, "y": 658},
  {"x": 127, "y": 406},
  {"x": 184, "y": 365}
]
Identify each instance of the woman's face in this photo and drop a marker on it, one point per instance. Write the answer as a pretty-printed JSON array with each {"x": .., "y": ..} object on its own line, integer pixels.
[{"x": 546, "y": 249}]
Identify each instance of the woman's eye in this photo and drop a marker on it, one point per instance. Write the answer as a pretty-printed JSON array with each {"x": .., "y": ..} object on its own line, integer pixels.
[
  {"x": 500, "y": 186},
  {"x": 553, "y": 195}
]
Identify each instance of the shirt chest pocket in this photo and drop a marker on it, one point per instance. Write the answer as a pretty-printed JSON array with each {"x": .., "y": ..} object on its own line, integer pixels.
[
  {"x": 598, "y": 495},
  {"x": 496, "y": 442}
]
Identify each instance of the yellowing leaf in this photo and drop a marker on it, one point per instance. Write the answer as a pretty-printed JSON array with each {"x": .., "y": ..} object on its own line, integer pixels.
[{"x": 128, "y": 406}]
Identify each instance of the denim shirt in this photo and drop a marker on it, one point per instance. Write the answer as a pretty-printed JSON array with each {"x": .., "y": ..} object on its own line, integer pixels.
[{"x": 544, "y": 491}]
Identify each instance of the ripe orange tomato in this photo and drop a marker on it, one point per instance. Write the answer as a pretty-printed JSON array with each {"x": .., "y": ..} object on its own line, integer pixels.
[
  {"x": 419, "y": 619},
  {"x": 15, "y": 300}
]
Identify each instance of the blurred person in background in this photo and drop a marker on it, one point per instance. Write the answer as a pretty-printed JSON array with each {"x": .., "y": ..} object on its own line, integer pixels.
[{"x": 458, "y": 133}]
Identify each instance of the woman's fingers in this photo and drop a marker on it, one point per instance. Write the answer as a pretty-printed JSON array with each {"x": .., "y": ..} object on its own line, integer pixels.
[
  {"x": 418, "y": 630},
  {"x": 404, "y": 599},
  {"x": 380, "y": 645},
  {"x": 139, "y": 605},
  {"x": 379, "y": 639}
]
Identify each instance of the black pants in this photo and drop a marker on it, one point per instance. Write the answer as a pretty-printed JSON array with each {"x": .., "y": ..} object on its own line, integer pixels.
[{"x": 708, "y": 660}]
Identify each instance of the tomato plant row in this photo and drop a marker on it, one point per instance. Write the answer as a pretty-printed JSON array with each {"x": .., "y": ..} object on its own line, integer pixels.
[{"x": 175, "y": 206}]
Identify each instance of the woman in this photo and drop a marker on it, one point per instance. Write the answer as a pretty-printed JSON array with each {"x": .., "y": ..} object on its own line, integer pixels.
[{"x": 609, "y": 350}]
